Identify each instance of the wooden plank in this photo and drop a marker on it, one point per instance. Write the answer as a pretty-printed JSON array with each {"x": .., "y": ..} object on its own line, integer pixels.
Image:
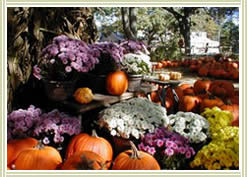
[
  {"x": 170, "y": 82},
  {"x": 101, "y": 100}
]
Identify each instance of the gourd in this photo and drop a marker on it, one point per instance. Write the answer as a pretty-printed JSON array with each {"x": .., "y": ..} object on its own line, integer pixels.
[
  {"x": 83, "y": 95},
  {"x": 135, "y": 160},
  {"x": 164, "y": 77}
]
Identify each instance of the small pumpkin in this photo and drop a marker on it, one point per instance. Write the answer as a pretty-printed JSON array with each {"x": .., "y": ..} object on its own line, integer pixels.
[
  {"x": 85, "y": 160},
  {"x": 16, "y": 146},
  {"x": 201, "y": 86},
  {"x": 159, "y": 65},
  {"x": 135, "y": 160},
  {"x": 86, "y": 142},
  {"x": 116, "y": 83},
  {"x": 83, "y": 95},
  {"x": 38, "y": 158}
]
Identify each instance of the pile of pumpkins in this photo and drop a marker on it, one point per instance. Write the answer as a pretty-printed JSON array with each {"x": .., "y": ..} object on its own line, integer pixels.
[
  {"x": 200, "y": 95},
  {"x": 227, "y": 68},
  {"x": 84, "y": 152}
]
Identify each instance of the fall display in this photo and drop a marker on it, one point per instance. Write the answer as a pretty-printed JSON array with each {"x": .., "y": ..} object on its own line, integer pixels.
[{"x": 94, "y": 88}]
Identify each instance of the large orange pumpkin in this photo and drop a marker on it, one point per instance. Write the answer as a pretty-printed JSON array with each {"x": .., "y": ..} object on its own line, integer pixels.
[
  {"x": 38, "y": 158},
  {"x": 116, "y": 83},
  {"x": 16, "y": 146},
  {"x": 201, "y": 86},
  {"x": 85, "y": 160},
  {"x": 85, "y": 142},
  {"x": 135, "y": 160}
]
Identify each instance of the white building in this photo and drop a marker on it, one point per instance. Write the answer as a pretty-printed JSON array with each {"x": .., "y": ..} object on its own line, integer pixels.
[{"x": 199, "y": 42}]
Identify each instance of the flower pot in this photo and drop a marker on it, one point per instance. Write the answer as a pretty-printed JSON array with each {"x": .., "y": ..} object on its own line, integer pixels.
[
  {"x": 59, "y": 90},
  {"x": 134, "y": 82}
]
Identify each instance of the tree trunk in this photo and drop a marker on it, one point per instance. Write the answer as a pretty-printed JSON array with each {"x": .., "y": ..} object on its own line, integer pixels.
[
  {"x": 129, "y": 22},
  {"x": 133, "y": 20},
  {"x": 29, "y": 30}
]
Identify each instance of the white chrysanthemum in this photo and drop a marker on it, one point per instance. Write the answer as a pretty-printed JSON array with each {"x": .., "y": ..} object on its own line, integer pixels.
[
  {"x": 135, "y": 133},
  {"x": 113, "y": 123},
  {"x": 113, "y": 132},
  {"x": 120, "y": 122},
  {"x": 137, "y": 113}
]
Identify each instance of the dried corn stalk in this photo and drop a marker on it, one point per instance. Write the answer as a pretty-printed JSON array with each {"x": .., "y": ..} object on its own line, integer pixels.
[{"x": 32, "y": 28}]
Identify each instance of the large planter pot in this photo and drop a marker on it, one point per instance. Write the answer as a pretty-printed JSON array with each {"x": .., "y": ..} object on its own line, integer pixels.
[
  {"x": 134, "y": 82},
  {"x": 59, "y": 90}
]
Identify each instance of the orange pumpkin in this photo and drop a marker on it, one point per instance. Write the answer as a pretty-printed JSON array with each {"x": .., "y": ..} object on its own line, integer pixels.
[
  {"x": 85, "y": 142},
  {"x": 194, "y": 68},
  {"x": 16, "y": 146},
  {"x": 135, "y": 160},
  {"x": 169, "y": 104},
  {"x": 38, "y": 158},
  {"x": 159, "y": 65},
  {"x": 234, "y": 109},
  {"x": 154, "y": 96},
  {"x": 201, "y": 86},
  {"x": 116, "y": 83},
  {"x": 185, "y": 86},
  {"x": 210, "y": 102},
  {"x": 177, "y": 90},
  {"x": 222, "y": 88},
  {"x": 189, "y": 103},
  {"x": 233, "y": 100},
  {"x": 189, "y": 91},
  {"x": 203, "y": 71},
  {"x": 83, "y": 95},
  {"x": 85, "y": 160}
]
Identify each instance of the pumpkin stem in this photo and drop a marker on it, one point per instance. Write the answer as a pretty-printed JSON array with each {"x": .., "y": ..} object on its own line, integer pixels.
[
  {"x": 228, "y": 102},
  {"x": 40, "y": 145},
  {"x": 94, "y": 134},
  {"x": 135, "y": 153}
]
